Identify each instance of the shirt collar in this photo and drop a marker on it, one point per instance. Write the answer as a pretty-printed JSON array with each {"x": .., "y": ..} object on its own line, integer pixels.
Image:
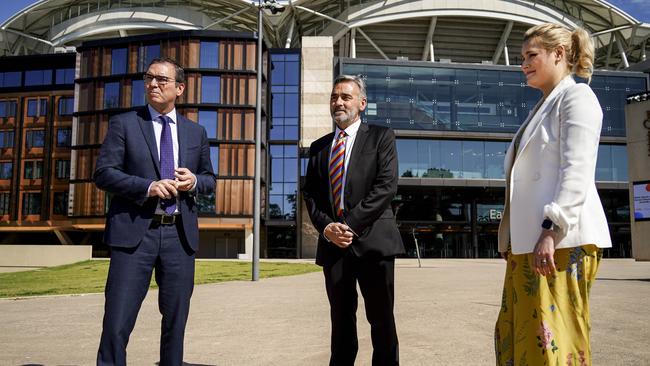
[
  {"x": 351, "y": 130},
  {"x": 154, "y": 113}
]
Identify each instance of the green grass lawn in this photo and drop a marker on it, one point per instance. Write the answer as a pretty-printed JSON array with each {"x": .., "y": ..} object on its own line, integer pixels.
[{"x": 90, "y": 276}]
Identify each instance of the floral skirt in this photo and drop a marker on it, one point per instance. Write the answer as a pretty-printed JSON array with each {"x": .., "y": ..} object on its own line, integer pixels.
[{"x": 545, "y": 321}]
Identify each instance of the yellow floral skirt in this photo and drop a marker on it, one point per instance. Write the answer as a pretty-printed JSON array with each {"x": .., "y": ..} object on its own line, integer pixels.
[{"x": 545, "y": 321}]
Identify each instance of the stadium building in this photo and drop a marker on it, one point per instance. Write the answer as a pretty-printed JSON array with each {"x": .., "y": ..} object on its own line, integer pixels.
[{"x": 443, "y": 74}]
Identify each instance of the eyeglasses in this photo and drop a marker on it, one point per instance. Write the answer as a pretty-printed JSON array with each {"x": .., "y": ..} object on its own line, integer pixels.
[{"x": 161, "y": 80}]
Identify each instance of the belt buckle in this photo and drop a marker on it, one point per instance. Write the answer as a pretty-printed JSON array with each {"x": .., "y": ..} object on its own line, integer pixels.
[{"x": 167, "y": 219}]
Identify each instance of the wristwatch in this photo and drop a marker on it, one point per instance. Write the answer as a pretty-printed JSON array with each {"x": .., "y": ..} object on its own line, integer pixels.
[{"x": 547, "y": 224}]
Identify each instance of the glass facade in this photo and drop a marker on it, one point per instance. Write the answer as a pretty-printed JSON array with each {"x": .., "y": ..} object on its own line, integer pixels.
[
  {"x": 466, "y": 159},
  {"x": 38, "y": 77},
  {"x": 33, "y": 169},
  {"x": 63, "y": 137},
  {"x": 283, "y": 135},
  {"x": 458, "y": 218},
  {"x": 36, "y": 107},
  {"x": 6, "y": 139},
  {"x": 210, "y": 89},
  {"x": 208, "y": 119},
  {"x": 284, "y": 181},
  {"x": 6, "y": 168},
  {"x": 137, "y": 93},
  {"x": 118, "y": 61},
  {"x": 7, "y": 108},
  {"x": 464, "y": 98},
  {"x": 111, "y": 95},
  {"x": 31, "y": 204},
  {"x": 209, "y": 57},
  {"x": 4, "y": 203},
  {"x": 146, "y": 54},
  {"x": 66, "y": 106},
  {"x": 34, "y": 138},
  {"x": 60, "y": 204},
  {"x": 64, "y": 76},
  {"x": 10, "y": 79}
]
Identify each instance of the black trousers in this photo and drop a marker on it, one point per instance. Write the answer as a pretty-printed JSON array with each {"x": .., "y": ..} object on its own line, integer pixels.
[
  {"x": 376, "y": 279},
  {"x": 128, "y": 281}
]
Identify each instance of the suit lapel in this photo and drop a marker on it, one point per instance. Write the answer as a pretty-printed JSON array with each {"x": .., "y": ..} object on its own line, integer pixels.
[
  {"x": 324, "y": 158},
  {"x": 182, "y": 135},
  {"x": 144, "y": 120},
  {"x": 359, "y": 141}
]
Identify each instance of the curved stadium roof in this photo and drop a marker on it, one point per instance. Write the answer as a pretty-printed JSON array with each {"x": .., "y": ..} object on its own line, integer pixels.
[{"x": 460, "y": 31}]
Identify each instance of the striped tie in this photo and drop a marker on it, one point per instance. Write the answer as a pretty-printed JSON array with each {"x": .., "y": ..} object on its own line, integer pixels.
[{"x": 336, "y": 170}]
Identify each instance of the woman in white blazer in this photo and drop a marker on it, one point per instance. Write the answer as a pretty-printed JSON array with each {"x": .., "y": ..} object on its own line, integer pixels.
[{"x": 553, "y": 226}]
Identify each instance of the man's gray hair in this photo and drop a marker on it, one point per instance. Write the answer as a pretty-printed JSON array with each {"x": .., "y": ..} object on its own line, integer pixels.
[{"x": 354, "y": 79}]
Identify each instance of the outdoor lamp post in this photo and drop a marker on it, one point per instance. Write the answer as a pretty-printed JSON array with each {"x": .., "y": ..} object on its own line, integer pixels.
[{"x": 275, "y": 8}]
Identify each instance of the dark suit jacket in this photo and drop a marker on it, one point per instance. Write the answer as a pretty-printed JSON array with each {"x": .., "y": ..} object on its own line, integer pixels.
[
  {"x": 371, "y": 184},
  {"x": 128, "y": 163}
]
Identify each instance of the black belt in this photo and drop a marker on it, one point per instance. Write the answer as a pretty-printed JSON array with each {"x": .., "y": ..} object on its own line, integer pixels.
[{"x": 166, "y": 219}]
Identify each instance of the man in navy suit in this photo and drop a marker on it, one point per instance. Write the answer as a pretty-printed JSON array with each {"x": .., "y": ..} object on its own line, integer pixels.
[
  {"x": 153, "y": 162},
  {"x": 350, "y": 183}
]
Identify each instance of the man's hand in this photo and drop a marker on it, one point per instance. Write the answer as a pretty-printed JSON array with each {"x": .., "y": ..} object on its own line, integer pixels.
[
  {"x": 543, "y": 261},
  {"x": 185, "y": 180},
  {"x": 164, "y": 188},
  {"x": 339, "y": 234}
]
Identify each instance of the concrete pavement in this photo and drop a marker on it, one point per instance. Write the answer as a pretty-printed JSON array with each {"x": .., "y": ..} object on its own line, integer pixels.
[{"x": 445, "y": 315}]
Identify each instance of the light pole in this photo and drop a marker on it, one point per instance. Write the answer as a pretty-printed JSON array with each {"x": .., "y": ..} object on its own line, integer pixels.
[{"x": 275, "y": 8}]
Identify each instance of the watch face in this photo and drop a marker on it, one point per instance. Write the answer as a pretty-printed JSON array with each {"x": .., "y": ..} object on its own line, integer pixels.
[{"x": 547, "y": 224}]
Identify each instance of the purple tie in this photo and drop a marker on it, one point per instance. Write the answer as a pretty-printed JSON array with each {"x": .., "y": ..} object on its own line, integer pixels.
[{"x": 167, "y": 161}]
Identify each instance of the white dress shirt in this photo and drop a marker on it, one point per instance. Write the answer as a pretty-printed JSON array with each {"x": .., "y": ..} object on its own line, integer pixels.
[
  {"x": 351, "y": 132},
  {"x": 157, "y": 130}
]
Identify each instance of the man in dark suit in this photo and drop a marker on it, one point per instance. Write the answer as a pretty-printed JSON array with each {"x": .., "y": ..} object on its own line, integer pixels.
[
  {"x": 350, "y": 183},
  {"x": 153, "y": 162}
]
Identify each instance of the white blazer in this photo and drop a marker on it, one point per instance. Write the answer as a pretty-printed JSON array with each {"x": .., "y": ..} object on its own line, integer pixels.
[{"x": 553, "y": 173}]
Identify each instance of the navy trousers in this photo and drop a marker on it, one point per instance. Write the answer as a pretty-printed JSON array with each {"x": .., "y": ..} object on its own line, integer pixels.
[
  {"x": 376, "y": 278},
  {"x": 164, "y": 248}
]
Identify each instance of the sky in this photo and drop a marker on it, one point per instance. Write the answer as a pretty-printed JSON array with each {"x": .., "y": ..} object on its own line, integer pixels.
[{"x": 636, "y": 8}]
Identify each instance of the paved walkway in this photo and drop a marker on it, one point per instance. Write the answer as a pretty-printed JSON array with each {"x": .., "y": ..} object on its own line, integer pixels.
[{"x": 445, "y": 315}]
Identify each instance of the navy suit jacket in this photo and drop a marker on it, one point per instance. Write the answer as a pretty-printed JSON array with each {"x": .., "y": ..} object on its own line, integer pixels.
[
  {"x": 370, "y": 186},
  {"x": 128, "y": 163}
]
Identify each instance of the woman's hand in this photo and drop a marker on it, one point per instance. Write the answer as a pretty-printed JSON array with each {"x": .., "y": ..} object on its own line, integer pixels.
[{"x": 543, "y": 261}]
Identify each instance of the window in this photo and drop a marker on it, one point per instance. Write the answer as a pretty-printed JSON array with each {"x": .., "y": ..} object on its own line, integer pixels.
[
  {"x": 208, "y": 119},
  {"x": 111, "y": 95},
  {"x": 6, "y": 139},
  {"x": 10, "y": 79},
  {"x": 6, "y": 168},
  {"x": 66, "y": 106},
  {"x": 62, "y": 169},
  {"x": 64, "y": 76},
  {"x": 4, "y": 203},
  {"x": 34, "y": 138},
  {"x": 210, "y": 89},
  {"x": 7, "y": 108},
  {"x": 36, "y": 107},
  {"x": 31, "y": 204},
  {"x": 60, "y": 204},
  {"x": 38, "y": 77},
  {"x": 137, "y": 93},
  {"x": 214, "y": 159},
  {"x": 118, "y": 61},
  {"x": 285, "y": 107},
  {"x": 33, "y": 169},
  {"x": 284, "y": 178},
  {"x": 63, "y": 137},
  {"x": 146, "y": 55},
  {"x": 209, "y": 55}
]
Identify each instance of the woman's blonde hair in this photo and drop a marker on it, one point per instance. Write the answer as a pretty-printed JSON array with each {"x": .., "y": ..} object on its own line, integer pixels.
[{"x": 578, "y": 46}]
